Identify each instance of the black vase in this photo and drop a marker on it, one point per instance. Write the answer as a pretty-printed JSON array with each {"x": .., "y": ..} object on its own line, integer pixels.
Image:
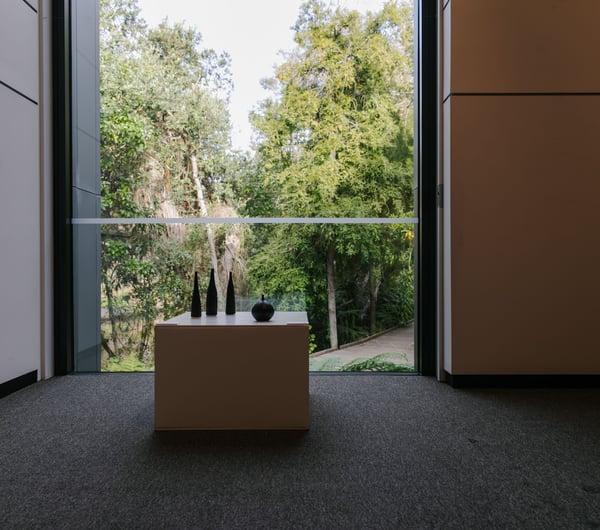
[
  {"x": 262, "y": 311},
  {"x": 230, "y": 300},
  {"x": 196, "y": 305},
  {"x": 211, "y": 295}
]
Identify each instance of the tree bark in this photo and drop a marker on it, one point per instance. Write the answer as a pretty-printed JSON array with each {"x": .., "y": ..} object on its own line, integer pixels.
[
  {"x": 209, "y": 231},
  {"x": 144, "y": 339},
  {"x": 112, "y": 318},
  {"x": 373, "y": 292},
  {"x": 331, "y": 305}
]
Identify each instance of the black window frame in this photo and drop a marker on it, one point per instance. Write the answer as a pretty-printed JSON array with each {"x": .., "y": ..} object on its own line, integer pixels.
[{"x": 426, "y": 162}]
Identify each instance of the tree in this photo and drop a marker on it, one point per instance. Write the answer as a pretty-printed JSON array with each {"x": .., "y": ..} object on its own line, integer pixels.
[
  {"x": 164, "y": 153},
  {"x": 334, "y": 140}
]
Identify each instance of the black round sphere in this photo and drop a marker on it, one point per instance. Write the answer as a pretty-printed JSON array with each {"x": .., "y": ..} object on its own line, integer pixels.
[{"x": 262, "y": 311}]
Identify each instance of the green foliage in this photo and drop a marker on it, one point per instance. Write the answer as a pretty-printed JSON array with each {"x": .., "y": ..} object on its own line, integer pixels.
[
  {"x": 334, "y": 140},
  {"x": 163, "y": 102},
  {"x": 128, "y": 364},
  {"x": 376, "y": 364},
  {"x": 324, "y": 365}
]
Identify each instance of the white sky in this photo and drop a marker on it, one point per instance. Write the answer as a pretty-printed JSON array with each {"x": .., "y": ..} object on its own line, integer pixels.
[{"x": 251, "y": 31}]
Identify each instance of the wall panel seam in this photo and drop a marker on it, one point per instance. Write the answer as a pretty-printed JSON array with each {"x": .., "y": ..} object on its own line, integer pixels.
[
  {"x": 79, "y": 188},
  {"x": 30, "y": 6},
  {"x": 520, "y": 94},
  {"x": 84, "y": 132},
  {"x": 18, "y": 92}
]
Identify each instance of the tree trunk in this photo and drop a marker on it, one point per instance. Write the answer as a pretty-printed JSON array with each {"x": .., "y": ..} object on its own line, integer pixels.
[
  {"x": 373, "y": 292},
  {"x": 144, "y": 341},
  {"x": 112, "y": 318},
  {"x": 331, "y": 306},
  {"x": 209, "y": 232}
]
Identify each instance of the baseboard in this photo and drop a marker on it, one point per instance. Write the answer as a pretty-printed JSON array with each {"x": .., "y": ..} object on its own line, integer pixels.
[
  {"x": 524, "y": 381},
  {"x": 18, "y": 383}
]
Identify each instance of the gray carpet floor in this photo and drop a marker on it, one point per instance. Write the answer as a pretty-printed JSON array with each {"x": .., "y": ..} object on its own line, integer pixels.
[{"x": 382, "y": 452}]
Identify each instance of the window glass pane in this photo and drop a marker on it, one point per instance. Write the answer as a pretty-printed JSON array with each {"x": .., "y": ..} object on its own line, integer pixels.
[
  {"x": 332, "y": 138},
  {"x": 332, "y": 133},
  {"x": 356, "y": 279}
]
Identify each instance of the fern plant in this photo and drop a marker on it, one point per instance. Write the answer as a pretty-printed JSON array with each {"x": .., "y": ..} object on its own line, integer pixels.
[{"x": 376, "y": 364}]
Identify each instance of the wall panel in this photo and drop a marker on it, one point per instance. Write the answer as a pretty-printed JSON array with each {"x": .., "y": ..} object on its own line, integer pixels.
[
  {"x": 86, "y": 184},
  {"x": 525, "y": 243},
  {"x": 520, "y": 167},
  {"x": 19, "y": 47},
  {"x": 539, "y": 46},
  {"x": 19, "y": 236}
]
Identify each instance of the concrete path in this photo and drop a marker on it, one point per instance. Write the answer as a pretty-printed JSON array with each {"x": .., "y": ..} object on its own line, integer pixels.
[{"x": 397, "y": 345}]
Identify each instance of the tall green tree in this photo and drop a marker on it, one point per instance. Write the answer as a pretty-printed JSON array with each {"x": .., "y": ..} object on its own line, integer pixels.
[
  {"x": 164, "y": 153},
  {"x": 335, "y": 139}
]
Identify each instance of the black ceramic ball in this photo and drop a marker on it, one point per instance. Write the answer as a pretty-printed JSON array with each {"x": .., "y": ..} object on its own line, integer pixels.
[{"x": 262, "y": 311}]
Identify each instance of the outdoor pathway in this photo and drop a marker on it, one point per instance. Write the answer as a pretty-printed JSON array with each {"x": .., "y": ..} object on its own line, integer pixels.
[{"x": 397, "y": 345}]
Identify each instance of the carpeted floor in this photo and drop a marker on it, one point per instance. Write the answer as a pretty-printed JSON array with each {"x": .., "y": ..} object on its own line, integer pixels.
[{"x": 382, "y": 452}]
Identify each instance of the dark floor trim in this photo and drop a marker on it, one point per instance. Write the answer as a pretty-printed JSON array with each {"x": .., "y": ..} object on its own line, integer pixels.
[
  {"x": 18, "y": 383},
  {"x": 524, "y": 381}
]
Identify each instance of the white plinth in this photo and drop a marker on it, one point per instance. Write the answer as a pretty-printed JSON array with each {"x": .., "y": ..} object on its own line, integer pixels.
[{"x": 231, "y": 372}]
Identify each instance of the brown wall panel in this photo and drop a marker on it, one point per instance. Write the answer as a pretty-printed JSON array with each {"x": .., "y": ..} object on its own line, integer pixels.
[
  {"x": 525, "y": 244},
  {"x": 516, "y": 46}
]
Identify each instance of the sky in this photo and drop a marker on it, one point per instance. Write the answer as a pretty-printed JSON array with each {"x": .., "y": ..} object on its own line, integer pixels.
[{"x": 253, "y": 32}]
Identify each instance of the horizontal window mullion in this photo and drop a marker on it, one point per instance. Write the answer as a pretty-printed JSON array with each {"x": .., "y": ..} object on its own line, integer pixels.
[{"x": 243, "y": 220}]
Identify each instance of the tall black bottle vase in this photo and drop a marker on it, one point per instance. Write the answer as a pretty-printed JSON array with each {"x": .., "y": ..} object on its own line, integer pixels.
[
  {"x": 211, "y": 295},
  {"x": 230, "y": 300},
  {"x": 196, "y": 304}
]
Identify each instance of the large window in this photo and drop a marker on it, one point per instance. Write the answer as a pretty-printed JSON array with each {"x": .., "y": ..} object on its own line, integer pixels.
[{"x": 318, "y": 212}]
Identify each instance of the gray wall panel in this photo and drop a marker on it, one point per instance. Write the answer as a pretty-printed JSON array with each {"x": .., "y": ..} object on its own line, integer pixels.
[
  {"x": 86, "y": 184},
  {"x": 19, "y": 47},
  {"x": 20, "y": 282},
  {"x": 86, "y": 279},
  {"x": 87, "y": 162},
  {"x": 87, "y": 84}
]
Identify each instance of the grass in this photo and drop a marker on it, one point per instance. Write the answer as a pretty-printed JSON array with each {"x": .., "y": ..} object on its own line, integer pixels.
[
  {"x": 127, "y": 364},
  {"x": 376, "y": 364},
  {"x": 324, "y": 365},
  {"x": 379, "y": 363}
]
